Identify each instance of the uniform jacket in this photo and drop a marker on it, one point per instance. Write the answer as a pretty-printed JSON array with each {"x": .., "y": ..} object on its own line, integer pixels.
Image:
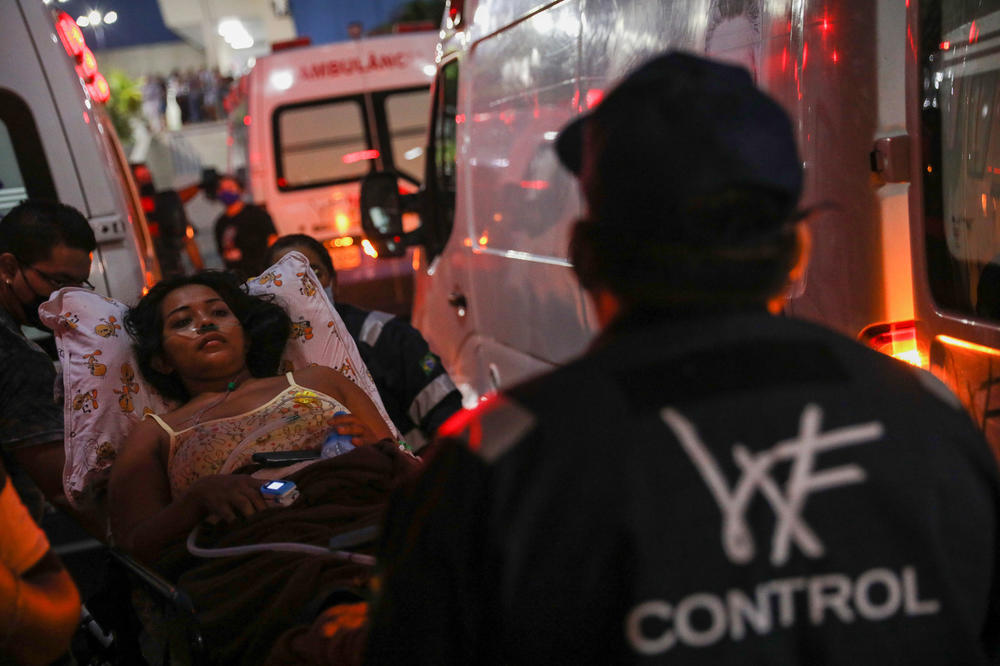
[
  {"x": 417, "y": 392},
  {"x": 705, "y": 490}
]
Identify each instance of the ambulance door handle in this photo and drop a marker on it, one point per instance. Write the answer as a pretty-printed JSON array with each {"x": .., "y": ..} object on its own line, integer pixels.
[{"x": 457, "y": 300}]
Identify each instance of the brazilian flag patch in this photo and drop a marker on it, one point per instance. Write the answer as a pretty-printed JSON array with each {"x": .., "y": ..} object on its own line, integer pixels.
[{"x": 428, "y": 363}]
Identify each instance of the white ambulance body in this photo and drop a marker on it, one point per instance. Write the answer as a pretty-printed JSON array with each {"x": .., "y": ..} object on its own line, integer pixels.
[
  {"x": 57, "y": 142},
  {"x": 894, "y": 105},
  {"x": 315, "y": 121}
]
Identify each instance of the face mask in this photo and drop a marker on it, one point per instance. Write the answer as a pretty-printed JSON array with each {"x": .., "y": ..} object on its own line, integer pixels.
[
  {"x": 228, "y": 198},
  {"x": 31, "y": 313}
]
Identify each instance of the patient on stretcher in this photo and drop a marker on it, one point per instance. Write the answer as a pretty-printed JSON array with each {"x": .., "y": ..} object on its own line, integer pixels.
[{"x": 204, "y": 342}]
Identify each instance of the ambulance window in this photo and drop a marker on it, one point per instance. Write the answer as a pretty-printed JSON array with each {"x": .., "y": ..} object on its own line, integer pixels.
[
  {"x": 442, "y": 170},
  {"x": 24, "y": 171},
  {"x": 960, "y": 110},
  {"x": 407, "y": 117},
  {"x": 321, "y": 143}
]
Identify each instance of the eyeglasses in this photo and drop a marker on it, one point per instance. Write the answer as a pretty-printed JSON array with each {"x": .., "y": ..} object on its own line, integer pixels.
[{"x": 59, "y": 284}]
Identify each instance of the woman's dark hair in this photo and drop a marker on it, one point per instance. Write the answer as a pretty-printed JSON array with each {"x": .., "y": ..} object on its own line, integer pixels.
[
  {"x": 731, "y": 250},
  {"x": 266, "y": 326},
  {"x": 302, "y": 240}
]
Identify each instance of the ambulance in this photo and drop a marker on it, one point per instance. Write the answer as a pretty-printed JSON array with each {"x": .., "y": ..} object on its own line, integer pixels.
[
  {"x": 57, "y": 142},
  {"x": 312, "y": 122},
  {"x": 894, "y": 104}
]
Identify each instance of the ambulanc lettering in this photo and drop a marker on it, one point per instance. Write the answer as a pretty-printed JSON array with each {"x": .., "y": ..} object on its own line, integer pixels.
[{"x": 702, "y": 619}]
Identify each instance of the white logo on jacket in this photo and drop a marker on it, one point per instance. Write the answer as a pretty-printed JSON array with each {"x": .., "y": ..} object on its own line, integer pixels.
[
  {"x": 787, "y": 504},
  {"x": 704, "y": 618}
]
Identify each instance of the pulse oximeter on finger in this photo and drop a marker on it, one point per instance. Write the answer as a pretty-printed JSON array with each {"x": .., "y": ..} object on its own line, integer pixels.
[{"x": 280, "y": 492}]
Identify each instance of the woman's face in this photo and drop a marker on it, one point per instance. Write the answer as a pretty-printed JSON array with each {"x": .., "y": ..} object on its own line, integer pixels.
[
  {"x": 314, "y": 262},
  {"x": 202, "y": 338}
]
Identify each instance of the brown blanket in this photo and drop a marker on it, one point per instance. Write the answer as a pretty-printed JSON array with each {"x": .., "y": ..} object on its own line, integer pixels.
[{"x": 244, "y": 603}]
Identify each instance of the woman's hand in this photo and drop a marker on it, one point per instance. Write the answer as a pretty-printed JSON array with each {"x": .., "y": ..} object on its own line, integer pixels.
[
  {"x": 355, "y": 428},
  {"x": 227, "y": 496}
]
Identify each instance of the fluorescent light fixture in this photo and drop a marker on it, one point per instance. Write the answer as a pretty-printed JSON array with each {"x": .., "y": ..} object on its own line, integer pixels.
[
  {"x": 111, "y": 17},
  {"x": 235, "y": 33}
]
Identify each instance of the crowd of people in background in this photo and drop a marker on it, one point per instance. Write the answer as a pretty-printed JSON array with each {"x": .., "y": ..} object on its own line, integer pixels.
[{"x": 198, "y": 95}]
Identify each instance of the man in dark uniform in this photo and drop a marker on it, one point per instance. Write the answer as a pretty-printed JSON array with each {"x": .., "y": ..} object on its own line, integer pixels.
[
  {"x": 709, "y": 483},
  {"x": 243, "y": 232},
  {"x": 416, "y": 391}
]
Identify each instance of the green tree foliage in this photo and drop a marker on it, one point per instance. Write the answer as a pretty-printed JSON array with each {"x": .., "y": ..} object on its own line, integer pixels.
[{"x": 125, "y": 102}]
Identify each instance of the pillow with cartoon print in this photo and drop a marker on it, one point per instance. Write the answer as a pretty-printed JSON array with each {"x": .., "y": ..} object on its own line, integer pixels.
[
  {"x": 319, "y": 336},
  {"x": 104, "y": 395}
]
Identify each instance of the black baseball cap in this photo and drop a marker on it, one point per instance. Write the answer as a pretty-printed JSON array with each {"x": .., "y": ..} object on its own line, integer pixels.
[{"x": 678, "y": 127}]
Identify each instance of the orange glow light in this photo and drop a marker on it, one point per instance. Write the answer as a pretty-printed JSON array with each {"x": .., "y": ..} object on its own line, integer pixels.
[
  {"x": 344, "y": 241},
  {"x": 971, "y": 346},
  {"x": 369, "y": 249}
]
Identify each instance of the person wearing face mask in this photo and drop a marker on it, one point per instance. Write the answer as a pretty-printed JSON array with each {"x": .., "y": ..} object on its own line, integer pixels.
[
  {"x": 44, "y": 246},
  {"x": 243, "y": 232},
  {"x": 416, "y": 390},
  {"x": 169, "y": 227}
]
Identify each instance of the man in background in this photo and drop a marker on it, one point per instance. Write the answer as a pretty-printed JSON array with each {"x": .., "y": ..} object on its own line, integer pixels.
[
  {"x": 416, "y": 390},
  {"x": 169, "y": 227},
  {"x": 243, "y": 232}
]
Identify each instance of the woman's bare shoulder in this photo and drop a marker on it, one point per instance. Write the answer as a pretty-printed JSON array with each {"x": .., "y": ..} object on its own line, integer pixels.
[{"x": 319, "y": 374}]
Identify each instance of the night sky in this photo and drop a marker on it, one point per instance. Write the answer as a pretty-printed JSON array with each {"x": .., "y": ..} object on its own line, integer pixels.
[{"x": 140, "y": 22}]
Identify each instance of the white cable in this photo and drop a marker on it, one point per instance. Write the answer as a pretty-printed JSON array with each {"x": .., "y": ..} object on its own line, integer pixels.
[{"x": 280, "y": 546}]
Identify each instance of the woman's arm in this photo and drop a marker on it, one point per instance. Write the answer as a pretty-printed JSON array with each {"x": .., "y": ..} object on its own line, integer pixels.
[
  {"x": 333, "y": 383},
  {"x": 145, "y": 519},
  {"x": 139, "y": 496}
]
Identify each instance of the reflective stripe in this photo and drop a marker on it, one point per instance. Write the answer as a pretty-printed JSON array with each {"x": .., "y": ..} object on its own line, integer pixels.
[
  {"x": 429, "y": 397},
  {"x": 372, "y": 328},
  {"x": 415, "y": 439}
]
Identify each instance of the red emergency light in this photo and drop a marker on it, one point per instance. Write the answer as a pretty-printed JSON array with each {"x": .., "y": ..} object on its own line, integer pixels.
[
  {"x": 99, "y": 89},
  {"x": 70, "y": 34},
  {"x": 87, "y": 68},
  {"x": 85, "y": 62},
  {"x": 455, "y": 8}
]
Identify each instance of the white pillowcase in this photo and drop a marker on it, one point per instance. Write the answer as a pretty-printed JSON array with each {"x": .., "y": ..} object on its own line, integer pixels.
[{"x": 105, "y": 395}]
